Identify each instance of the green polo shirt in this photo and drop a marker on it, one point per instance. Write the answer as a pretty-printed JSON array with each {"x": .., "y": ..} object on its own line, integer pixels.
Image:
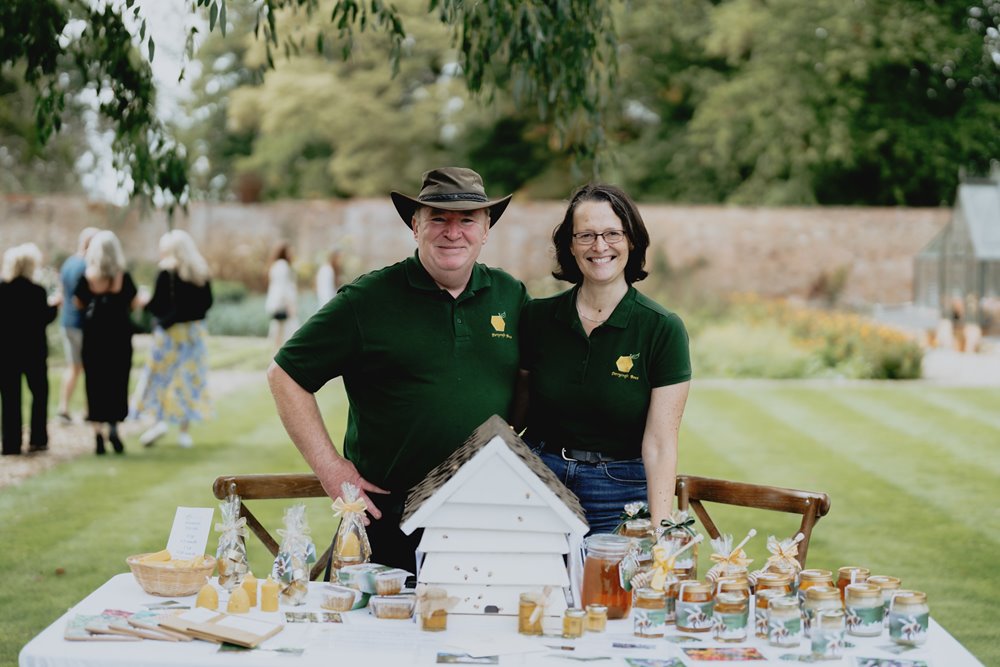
[
  {"x": 422, "y": 369},
  {"x": 593, "y": 393}
]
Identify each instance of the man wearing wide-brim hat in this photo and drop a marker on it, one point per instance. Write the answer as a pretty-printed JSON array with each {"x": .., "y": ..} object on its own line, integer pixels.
[{"x": 427, "y": 349}]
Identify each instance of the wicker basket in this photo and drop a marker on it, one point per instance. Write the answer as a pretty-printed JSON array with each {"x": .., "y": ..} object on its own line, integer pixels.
[{"x": 156, "y": 579}]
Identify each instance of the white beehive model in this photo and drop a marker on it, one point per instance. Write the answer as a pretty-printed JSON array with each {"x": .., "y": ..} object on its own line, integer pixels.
[{"x": 497, "y": 523}]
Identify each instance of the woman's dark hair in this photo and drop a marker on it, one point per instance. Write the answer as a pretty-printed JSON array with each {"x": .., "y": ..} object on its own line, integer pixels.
[{"x": 627, "y": 212}]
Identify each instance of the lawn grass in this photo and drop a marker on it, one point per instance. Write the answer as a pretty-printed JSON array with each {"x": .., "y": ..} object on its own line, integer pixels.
[{"x": 911, "y": 470}]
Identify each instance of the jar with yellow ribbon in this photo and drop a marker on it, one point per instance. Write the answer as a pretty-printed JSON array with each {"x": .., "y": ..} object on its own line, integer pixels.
[
  {"x": 782, "y": 561},
  {"x": 729, "y": 560},
  {"x": 350, "y": 546},
  {"x": 678, "y": 531}
]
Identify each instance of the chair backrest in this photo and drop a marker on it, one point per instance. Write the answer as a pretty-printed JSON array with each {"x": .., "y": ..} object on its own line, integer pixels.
[
  {"x": 693, "y": 491},
  {"x": 272, "y": 487}
]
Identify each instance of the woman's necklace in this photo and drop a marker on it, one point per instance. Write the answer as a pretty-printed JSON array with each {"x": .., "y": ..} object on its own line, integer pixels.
[{"x": 579, "y": 311}]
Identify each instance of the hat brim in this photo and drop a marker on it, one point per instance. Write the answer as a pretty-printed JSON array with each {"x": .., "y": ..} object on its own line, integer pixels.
[{"x": 406, "y": 206}]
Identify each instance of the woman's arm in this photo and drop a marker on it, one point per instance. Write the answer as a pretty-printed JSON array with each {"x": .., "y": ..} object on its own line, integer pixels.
[{"x": 659, "y": 447}]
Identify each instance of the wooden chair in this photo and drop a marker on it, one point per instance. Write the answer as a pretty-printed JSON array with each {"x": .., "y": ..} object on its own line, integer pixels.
[
  {"x": 693, "y": 491},
  {"x": 272, "y": 487}
]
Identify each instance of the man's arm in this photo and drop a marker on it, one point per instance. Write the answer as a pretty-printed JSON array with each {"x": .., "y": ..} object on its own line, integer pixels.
[{"x": 301, "y": 417}]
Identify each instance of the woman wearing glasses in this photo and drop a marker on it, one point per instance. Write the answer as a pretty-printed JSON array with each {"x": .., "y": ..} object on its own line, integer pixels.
[{"x": 606, "y": 369}]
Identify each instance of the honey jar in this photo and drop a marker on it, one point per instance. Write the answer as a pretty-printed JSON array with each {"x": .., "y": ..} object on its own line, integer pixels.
[
  {"x": 436, "y": 621},
  {"x": 908, "y": 618},
  {"x": 597, "y": 618},
  {"x": 810, "y": 578},
  {"x": 603, "y": 580},
  {"x": 694, "y": 606},
  {"x": 819, "y": 598},
  {"x": 638, "y": 528},
  {"x": 762, "y": 601},
  {"x": 679, "y": 530},
  {"x": 851, "y": 575},
  {"x": 828, "y": 634},
  {"x": 528, "y": 622},
  {"x": 731, "y": 613},
  {"x": 649, "y": 613},
  {"x": 888, "y": 585},
  {"x": 784, "y": 622},
  {"x": 864, "y": 608},
  {"x": 573, "y": 623}
]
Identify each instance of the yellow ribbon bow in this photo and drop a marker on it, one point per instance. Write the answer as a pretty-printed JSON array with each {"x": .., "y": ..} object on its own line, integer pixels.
[
  {"x": 784, "y": 553},
  {"x": 663, "y": 567},
  {"x": 356, "y": 506}
]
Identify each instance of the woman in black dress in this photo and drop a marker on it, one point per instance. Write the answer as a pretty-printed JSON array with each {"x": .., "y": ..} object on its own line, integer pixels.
[{"x": 106, "y": 295}]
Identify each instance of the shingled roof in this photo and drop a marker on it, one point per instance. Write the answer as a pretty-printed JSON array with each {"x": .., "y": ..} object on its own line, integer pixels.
[{"x": 492, "y": 428}]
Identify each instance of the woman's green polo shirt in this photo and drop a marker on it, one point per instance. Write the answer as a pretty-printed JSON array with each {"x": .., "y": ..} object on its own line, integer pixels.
[
  {"x": 422, "y": 369},
  {"x": 593, "y": 393}
]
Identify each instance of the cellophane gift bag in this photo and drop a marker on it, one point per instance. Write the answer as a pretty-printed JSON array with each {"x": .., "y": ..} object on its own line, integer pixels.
[
  {"x": 350, "y": 546},
  {"x": 295, "y": 557},
  {"x": 232, "y": 552}
]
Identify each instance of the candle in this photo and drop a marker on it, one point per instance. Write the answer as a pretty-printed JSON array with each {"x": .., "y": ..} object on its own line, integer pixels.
[
  {"x": 250, "y": 586},
  {"x": 239, "y": 601},
  {"x": 269, "y": 595}
]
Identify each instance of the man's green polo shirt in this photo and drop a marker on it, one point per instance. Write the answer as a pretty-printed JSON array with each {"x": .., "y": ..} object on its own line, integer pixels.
[
  {"x": 422, "y": 369},
  {"x": 593, "y": 393}
]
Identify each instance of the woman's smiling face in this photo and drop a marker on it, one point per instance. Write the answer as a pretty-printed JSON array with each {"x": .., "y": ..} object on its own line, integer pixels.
[{"x": 599, "y": 261}]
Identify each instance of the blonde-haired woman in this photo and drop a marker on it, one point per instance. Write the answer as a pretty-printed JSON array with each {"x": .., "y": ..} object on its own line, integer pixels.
[
  {"x": 27, "y": 311},
  {"x": 107, "y": 295},
  {"x": 176, "y": 389}
]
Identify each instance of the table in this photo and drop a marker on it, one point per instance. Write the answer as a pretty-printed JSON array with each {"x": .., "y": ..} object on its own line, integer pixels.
[{"x": 364, "y": 641}]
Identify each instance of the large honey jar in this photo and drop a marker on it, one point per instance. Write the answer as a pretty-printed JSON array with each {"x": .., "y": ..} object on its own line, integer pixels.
[{"x": 603, "y": 581}]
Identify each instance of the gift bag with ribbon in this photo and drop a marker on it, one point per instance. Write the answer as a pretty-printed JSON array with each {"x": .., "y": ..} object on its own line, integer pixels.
[
  {"x": 295, "y": 557},
  {"x": 232, "y": 552},
  {"x": 350, "y": 545},
  {"x": 729, "y": 560},
  {"x": 783, "y": 559},
  {"x": 678, "y": 531}
]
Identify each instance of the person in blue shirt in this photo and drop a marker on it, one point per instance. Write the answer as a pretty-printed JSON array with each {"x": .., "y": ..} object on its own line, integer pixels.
[{"x": 72, "y": 322}]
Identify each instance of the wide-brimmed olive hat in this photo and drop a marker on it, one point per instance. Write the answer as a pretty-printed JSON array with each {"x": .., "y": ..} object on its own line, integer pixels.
[{"x": 451, "y": 189}]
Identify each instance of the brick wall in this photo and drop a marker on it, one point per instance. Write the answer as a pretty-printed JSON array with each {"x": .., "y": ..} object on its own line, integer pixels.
[{"x": 773, "y": 251}]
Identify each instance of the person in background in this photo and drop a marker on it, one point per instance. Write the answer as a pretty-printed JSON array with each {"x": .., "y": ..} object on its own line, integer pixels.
[
  {"x": 72, "y": 322},
  {"x": 27, "y": 310},
  {"x": 427, "y": 349},
  {"x": 107, "y": 295},
  {"x": 328, "y": 278},
  {"x": 606, "y": 369},
  {"x": 281, "y": 303},
  {"x": 176, "y": 387}
]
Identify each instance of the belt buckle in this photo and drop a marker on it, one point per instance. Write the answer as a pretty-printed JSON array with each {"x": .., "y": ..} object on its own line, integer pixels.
[{"x": 562, "y": 451}]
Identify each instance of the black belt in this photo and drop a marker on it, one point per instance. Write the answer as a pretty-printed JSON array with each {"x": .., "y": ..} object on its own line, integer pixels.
[{"x": 581, "y": 455}]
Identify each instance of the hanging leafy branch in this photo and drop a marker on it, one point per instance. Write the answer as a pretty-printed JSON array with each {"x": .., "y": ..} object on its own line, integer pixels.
[
  {"x": 558, "y": 55},
  {"x": 60, "y": 59}
]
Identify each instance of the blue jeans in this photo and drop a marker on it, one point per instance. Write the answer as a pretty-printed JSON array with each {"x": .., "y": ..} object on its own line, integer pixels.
[{"x": 603, "y": 488}]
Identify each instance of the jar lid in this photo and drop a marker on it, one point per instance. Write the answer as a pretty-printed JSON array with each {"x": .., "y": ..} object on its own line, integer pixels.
[
  {"x": 783, "y": 603},
  {"x": 649, "y": 593},
  {"x": 597, "y": 609},
  {"x": 695, "y": 586},
  {"x": 638, "y": 524},
  {"x": 813, "y": 575},
  {"x": 822, "y": 593},
  {"x": 773, "y": 579},
  {"x": 884, "y": 581},
  {"x": 910, "y": 597},
  {"x": 604, "y": 544},
  {"x": 575, "y": 613},
  {"x": 863, "y": 590},
  {"x": 845, "y": 572}
]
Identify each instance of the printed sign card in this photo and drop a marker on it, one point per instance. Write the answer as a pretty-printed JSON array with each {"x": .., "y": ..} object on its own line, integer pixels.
[{"x": 189, "y": 534}]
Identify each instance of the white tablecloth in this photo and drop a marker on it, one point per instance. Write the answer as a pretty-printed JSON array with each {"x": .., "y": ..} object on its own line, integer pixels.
[{"x": 364, "y": 641}]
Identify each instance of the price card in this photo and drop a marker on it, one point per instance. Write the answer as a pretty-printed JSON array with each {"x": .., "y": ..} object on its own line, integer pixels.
[{"x": 189, "y": 534}]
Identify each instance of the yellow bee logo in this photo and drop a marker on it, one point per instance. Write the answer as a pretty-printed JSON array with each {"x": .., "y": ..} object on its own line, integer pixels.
[
  {"x": 498, "y": 322},
  {"x": 625, "y": 362}
]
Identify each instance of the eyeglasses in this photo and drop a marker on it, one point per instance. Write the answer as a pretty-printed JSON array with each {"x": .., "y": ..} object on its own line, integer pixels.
[{"x": 610, "y": 237}]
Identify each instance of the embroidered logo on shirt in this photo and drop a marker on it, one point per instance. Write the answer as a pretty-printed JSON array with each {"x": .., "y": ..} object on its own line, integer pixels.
[
  {"x": 499, "y": 324},
  {"x": 624, "y": 364}
]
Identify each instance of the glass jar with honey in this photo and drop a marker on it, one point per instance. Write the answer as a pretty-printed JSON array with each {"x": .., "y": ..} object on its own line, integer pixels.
[
  {"x": 678, "y": 530},
  {"x": 694, "y": 606},
  {"x": 573, "y": 623},
  {"x": 649, "y": 613},
  {"x": 851, "y": 574},
  {"x": 603, "y": 580},
  {"x": 864, "y": 608},
  {"x": 529, "y": 619},
  {"x": 810, "y": 578},
  {"x": 731, "y": 612},
  {"x": 597, "y": 617},
  {"x": 762, "y": 602},
  {"x": 784, "y": 622},
  {"x": 819, "y": 598}
]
